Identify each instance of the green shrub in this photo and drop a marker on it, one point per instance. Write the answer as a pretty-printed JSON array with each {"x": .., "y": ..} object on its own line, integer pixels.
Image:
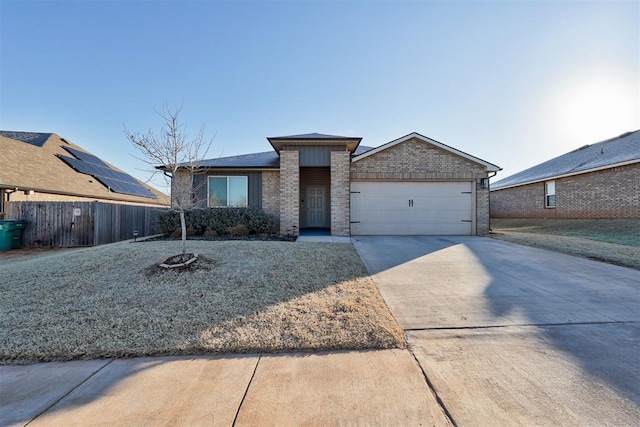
[
  {"x": 219, "y": 221},
  {"x": 168, "y": 222}
]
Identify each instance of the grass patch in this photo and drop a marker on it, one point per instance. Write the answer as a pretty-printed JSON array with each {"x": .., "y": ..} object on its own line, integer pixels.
[
  {"x": 623, "y": 231},
  {"x": 239, "y": 297},
  {"x": 615, "y": 241}
]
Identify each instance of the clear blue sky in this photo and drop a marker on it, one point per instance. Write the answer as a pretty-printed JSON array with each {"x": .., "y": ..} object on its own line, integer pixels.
[{"x": 512, "y": 82}]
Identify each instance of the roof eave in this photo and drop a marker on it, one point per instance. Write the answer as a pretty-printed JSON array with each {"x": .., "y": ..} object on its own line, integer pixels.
[{"x": 278, "y": 142}]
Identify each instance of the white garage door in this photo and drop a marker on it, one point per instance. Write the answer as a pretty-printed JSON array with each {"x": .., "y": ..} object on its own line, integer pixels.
[{"x": 411, "y": 208}]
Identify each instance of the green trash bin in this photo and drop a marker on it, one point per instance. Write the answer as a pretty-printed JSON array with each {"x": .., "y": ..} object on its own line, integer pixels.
[{"x": 11, "y": 234}]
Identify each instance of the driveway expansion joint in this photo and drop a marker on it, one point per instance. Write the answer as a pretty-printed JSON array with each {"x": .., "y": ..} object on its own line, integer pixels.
[
  {"x": 455, "y": 328},
  {"x": 433, "y": 390},
  {"x": 244, "y": 396},
  {"x": 69, "y": 392}
]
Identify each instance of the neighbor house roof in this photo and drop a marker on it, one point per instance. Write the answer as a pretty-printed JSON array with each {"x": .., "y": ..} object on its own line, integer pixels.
[
  {"x": 490, "y": 167},
  {"x": 47, "y": 163},
  {"x": 618, "y": 151}
]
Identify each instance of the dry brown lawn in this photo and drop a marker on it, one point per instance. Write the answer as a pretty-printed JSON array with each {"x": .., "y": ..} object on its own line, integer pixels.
[
  {"x": 612, "y": 241},
  {"x": 239, "y": 297}
]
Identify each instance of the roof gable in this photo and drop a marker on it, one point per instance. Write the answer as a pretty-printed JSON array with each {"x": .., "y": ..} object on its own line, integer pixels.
[
  {"x": 618, "y": 151},
  {"x": 490, "y": 167}
]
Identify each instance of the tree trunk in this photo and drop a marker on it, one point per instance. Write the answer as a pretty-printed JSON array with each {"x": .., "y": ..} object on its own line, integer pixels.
[{"x": 183, "y": 226}]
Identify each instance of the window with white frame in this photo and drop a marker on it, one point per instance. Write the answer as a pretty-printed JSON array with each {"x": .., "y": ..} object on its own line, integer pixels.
[
  {"x": 550, "y": 194},
  {"x": 228, "y": 191}
]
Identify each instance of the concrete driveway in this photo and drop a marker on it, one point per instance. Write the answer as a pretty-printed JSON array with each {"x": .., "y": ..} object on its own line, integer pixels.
[{"x": 511, "y": 335}]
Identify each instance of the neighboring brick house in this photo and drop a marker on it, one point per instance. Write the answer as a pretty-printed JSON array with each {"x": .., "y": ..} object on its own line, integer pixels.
[
  {"x": 601, "y": 180},
  {"x": 45, "y": 167},
  {"x": 412, "y": 185}
]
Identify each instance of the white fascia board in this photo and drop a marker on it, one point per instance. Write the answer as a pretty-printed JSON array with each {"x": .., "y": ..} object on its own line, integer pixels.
[
  {"x": 565, "y": 175},
  {"x": 488, "y": 166}
]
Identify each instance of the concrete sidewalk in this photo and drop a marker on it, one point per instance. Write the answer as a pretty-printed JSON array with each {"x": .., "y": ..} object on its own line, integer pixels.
[{"x": 384, "y": 387}]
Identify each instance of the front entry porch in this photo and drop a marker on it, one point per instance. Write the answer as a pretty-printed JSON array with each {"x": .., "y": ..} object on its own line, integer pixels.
[
  {"x": 314, "y": 189},
  {"x": 321, "y": 235}
]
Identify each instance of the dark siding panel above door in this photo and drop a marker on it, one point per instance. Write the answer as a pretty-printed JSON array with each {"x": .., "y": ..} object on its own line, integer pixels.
[{"x": 315, "y": 156}]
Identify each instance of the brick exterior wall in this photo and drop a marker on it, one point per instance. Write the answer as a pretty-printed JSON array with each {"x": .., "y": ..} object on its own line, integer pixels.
[
  {"x": 482, "y": 209},
  {"x": 609, "y": 193},
  {"x": 416, "y": 160},
  {"x": 289, "y": 192},
  {"x": 181, "y": 189},
  {"x": 340, "y": 193},
  {"x": 271, "y": 192}
]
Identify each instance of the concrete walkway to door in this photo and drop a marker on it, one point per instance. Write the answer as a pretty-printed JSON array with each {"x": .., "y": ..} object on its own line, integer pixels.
[{"x": 511, "y": 335}]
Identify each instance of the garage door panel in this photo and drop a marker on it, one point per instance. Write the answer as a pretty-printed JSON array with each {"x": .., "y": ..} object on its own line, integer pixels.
[
  {"x": 382, "y": 217},
  {"x": 437, "y": 208}
]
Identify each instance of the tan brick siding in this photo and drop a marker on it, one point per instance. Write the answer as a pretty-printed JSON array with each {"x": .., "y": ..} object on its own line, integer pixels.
[
  {"x": 271, "y": 192},
  {"x": 610, "y": 193},
  {"x": 340, "y": 193},
  {"x": 482, "y": 209},
  {"x": 526, "y": 201},
  {"x": 289, "y": 192},
  {"x": 417, "y": 160}
]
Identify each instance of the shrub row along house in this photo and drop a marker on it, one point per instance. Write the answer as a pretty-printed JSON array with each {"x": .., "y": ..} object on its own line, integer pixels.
[
  {"x": 601, "y": 180},
  {"x": 412, "y": 185}
]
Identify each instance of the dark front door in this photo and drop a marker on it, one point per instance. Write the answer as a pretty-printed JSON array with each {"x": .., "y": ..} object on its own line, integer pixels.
[{"x": 316, "y": 207}]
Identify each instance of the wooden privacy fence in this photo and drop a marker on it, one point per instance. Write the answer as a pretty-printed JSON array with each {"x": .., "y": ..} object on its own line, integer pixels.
[{"x": 67, "y": 224}]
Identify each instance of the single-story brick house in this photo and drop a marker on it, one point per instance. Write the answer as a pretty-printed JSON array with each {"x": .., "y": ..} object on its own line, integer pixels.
[
  {"x": 44, "y": 167},
  {"x": 601, "y": 180},
  {"x": 412, "y": 185}
]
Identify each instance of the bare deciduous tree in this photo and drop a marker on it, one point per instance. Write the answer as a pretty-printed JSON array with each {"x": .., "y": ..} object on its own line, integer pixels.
[{"x": 177, "y": 156}]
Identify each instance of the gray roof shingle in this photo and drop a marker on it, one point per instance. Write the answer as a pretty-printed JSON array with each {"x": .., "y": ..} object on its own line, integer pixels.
[
  {"x": 264, "y": 160},
  {"x": 621, "y": 149},
  {"x": 267, "y": 159}
]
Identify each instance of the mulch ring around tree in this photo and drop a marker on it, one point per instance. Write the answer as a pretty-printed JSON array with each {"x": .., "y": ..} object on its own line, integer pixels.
[{"x": 179, "y": 261}]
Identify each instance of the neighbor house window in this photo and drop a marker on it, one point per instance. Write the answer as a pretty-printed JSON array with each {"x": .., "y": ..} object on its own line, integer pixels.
[
  {"x": 228, "y": 191},
  {"x": 550, "y": 194}
]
